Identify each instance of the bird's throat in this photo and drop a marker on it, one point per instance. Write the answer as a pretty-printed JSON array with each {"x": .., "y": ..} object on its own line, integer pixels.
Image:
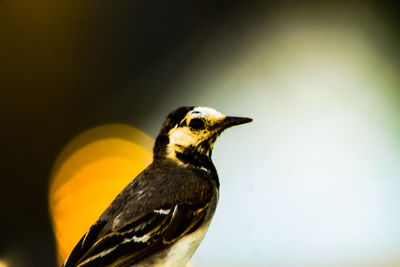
[{"x": 198, "y": 156}]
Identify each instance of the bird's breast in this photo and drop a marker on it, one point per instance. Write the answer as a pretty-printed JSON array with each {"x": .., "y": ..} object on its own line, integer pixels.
[{"x": 182, "y": 250}]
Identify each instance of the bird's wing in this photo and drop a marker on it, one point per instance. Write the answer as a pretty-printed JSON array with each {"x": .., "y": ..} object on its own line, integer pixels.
[{"x": 136, "y": 239}]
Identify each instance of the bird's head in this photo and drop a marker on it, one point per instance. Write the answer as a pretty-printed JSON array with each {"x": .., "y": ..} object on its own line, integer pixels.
[{"x": 192, "y": 132}]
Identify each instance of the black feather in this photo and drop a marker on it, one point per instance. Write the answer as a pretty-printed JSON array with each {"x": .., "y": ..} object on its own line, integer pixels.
[
  {"x": 165, "y": 185},
  {"x": 174, "y": 118}
]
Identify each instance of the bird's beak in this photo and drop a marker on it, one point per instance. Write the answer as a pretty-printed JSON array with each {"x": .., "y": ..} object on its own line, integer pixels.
[{"x": 232, "y": 121}]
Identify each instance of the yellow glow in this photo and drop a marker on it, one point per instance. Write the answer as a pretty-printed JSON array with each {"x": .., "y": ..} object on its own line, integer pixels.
[
  {"x": 3, "y": 263},
  {"x": 89, "y": 174}
]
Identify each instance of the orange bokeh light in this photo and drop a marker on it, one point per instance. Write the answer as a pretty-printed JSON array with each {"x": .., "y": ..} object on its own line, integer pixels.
[{"x": 89, "y": 174}]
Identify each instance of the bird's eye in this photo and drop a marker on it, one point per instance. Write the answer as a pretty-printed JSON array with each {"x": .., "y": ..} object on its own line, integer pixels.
[{"x": 196, "y": 124}]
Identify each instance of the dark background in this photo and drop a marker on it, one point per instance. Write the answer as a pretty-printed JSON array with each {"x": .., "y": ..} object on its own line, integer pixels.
[{"x": 67, "y": 66}]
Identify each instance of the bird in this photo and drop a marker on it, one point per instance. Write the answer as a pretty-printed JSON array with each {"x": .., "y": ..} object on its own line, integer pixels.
[{"x": 161, "y": 216}]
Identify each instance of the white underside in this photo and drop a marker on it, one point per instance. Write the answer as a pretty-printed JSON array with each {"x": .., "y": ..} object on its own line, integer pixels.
[{"x": 182, "y": 251}]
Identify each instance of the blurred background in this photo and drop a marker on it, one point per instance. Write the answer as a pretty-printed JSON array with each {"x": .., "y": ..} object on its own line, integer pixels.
[{"x": 313, "y": 181}]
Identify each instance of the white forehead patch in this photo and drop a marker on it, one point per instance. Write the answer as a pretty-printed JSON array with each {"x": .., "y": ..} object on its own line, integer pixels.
[{"x": 208, "y": 113}]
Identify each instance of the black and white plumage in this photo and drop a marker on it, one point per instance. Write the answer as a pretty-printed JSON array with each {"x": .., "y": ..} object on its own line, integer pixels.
[{"x": 160, "y": 218}]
